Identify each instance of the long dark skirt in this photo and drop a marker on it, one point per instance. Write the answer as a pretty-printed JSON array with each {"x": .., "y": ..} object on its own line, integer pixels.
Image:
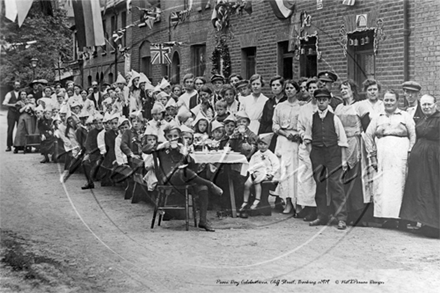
[
  {"x": 26, "y": 125},
  {"x": 352, "y": 180},
  {"x": 421, "y": 198}
]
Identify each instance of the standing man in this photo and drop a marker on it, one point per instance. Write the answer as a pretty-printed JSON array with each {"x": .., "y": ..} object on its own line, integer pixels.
[
  {"x": 96, "y": 96},
  {"x": 10, "y": 101},
  {"x": 326, "y": 80},
  {"x": 411, "y": 89},
  {"x": 328, "y": 156},
  {"x": 188, "y": 83}
]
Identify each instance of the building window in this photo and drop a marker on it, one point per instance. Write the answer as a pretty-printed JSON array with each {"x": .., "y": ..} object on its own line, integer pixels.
[
  {"x": 360, "y": 53},
  {"x": 175, "y": 68},
  {"x": 198, "y": 59},
  {"x": 146, "y": 66},
  {"x": 110, "y": 78},
  {"x": 248, "y": 61},
  {"x": 285, "y": 60},
  {"x": 308, "y": 57}
]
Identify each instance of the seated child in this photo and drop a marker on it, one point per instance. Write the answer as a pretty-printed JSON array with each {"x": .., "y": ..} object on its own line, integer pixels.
[
  {"x": 123, "y": 125},
  {"x": 262, "y": 166},
  {"x": 170, "y": 110},
  {"x": 220, "y": 110},
  {"x": 229, "y": 123},
  {"x": 219, "y": 139},
  {"x": 243, "y": 140},
  {"x": 157, "y": 123},
  {"x": 174, "y": 170},
  {"x": 201, "y": 132},
  {"x": 187, "y": 138},
  {"x": 149, "y": 142}
]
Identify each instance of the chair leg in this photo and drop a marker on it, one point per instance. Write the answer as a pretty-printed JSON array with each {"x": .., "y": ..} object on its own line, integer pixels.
[
  {"x": 186, "y": 210},
  {"x": 163, "y": 201},
  {"x": 194, "y": 208},
  {"x": 156, "y": 208}
]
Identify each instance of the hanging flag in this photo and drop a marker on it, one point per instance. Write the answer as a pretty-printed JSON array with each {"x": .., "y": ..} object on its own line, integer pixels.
[
  {"x": 88, "y": 22},
  {"x": 348, "y": 2},
  {"x": 11, "y": 10},
  {"x": 282, "y": 8},
  {"x": 220, "y": 16},
  {"x": 160, "y": 54}
]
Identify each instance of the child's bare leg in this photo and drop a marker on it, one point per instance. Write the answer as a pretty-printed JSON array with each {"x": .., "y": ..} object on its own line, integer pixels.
[
  {"x": 246, "y": 192},
  {"x": 257, "y": 188}
]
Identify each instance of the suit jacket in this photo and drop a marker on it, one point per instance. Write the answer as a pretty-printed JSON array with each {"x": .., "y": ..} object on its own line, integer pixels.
[
  {"x": 194, "y": 101},
  {"x": 131, "y": 143},
  {"x": 92, "y": 97}
]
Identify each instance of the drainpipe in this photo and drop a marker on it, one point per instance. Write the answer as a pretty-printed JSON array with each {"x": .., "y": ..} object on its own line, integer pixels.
[{"x": 406, "y": 33}]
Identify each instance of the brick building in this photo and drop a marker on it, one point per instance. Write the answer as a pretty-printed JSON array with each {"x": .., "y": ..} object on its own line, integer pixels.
[{"x": 389, "y": 40}]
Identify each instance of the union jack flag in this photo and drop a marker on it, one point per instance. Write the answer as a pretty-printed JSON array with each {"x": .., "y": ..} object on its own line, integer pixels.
[{"x": 160, "y": 54}]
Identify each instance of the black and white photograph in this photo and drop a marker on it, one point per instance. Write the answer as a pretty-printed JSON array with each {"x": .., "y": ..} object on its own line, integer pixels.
[{"x": 229, "y": 146}]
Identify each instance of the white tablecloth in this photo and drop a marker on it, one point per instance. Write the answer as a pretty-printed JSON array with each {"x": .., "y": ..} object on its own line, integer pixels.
[{"x": 222, "y": 157}]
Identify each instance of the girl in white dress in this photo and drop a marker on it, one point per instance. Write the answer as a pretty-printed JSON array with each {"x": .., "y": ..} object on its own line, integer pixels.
[
  {"x": 254, "y": 103},
  {"x": 285, "y": 124}
]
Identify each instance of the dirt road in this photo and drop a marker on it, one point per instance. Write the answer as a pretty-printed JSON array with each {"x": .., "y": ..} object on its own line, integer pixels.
[{"x": 57, "y": 238}]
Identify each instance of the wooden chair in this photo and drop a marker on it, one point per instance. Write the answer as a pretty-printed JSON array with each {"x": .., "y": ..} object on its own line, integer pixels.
[
  {"x": 31, "y": 140},
  {"x": 164, "y": 190}
]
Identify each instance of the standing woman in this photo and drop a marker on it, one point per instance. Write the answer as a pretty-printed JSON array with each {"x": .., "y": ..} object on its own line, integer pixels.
[
  {"x": 285, "y": 124},
  {"x": 253, "y": 104},
  {"x": 277, "y": 86},
  {"x": 366, "y": 110},
  {"x": 26, "y": 123},
  {"x": 421, "y": 199},
  {"x": 389, "y": 139},
  {"x": 352, "y": 178}
]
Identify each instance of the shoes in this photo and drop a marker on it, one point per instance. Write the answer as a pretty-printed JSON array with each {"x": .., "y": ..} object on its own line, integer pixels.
[
  {"x": 207, "y": 226},
  {"x": 255, "y": 204},
  {"x": 16, "y": 151},
  {"x": 310, "y": 217},
  {"x": 8, "y": 149},
  {"x": 88, "y": 186},
  {"x": 216, "y": 190},
  {"x": 44, "y": 161},
  {"x": 243, "y": 206},
  {"x": 342, "y": 225},
  {"x": 244, "y": 215},
  {"x": 278, "y": 205},
  {"x": 318, "y": 222},
  {"x": 288, "y": 209}
]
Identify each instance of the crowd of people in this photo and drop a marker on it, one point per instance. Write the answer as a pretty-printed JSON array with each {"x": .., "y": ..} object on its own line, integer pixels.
[{"x": 330, "y": 159}]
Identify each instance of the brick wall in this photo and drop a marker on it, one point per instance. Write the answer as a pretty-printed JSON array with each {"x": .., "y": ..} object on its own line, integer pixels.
[
  {"x": 425, "y": 45},
  {"x": 424, "y": 42}
]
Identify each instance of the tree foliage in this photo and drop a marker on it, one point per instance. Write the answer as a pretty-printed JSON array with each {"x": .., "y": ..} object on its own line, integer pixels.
[{"x": 53, "y": 38}]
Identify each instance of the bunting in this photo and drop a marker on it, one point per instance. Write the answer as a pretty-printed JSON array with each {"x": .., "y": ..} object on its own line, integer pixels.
[
  {"x": 282, "y": 8},
  {"x": 160, "y": 53},
  {"x": 14, "y": 11},
  {"x": 150, "y": 16},
  {"x": 224, "y": 9},
  {"x": 178, "y": 17},
  {"x": 348, "y": 2}
]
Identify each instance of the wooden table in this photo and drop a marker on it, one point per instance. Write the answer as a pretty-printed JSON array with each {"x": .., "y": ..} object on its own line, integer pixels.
[{"x": 224, "y": 158}]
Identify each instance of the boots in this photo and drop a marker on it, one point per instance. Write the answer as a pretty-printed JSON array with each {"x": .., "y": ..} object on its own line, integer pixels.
[{"x": 203, "y": 222}]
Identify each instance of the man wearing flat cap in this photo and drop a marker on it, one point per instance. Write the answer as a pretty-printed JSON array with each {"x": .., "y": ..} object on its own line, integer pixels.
[
  {"x": 411, "y": 90},
  {"x": 326, "y": 80}
]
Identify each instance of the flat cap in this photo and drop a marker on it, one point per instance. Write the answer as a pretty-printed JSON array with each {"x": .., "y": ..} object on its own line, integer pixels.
[
  {"x": 411, "y": 86},
  {"x": 216, "y": 77},
  {"x": 322, "y": 93}
]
